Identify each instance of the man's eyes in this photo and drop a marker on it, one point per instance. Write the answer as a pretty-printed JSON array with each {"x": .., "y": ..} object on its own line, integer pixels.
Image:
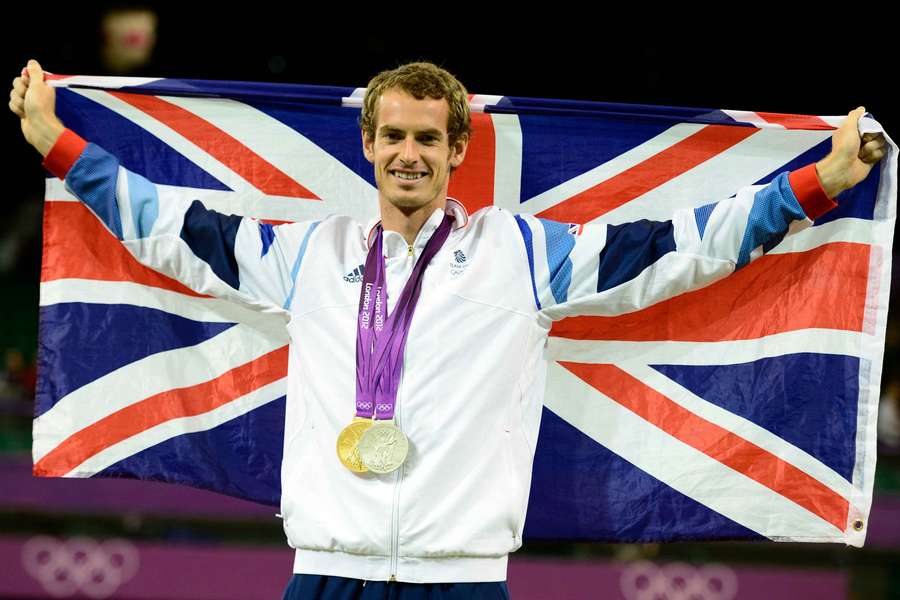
[{"x": 426, "y": 139}]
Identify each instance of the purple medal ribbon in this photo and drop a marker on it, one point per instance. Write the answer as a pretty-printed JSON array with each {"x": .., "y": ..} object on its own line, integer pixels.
[
  {"x": 380, "y": 339},
  {"x": 370, "y": 295}
]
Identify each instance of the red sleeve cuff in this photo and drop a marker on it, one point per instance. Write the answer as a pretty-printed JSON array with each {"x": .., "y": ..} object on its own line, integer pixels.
[
  {"x": 808, "y": 190},
  {"x": 64, "y": 153}
]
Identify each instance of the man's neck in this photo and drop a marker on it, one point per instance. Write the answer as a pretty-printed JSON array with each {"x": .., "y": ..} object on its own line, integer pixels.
[{"x": 406, "y": 223}]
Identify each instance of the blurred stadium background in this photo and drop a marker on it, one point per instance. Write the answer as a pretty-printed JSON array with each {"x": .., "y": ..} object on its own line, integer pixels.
[{"x": 168, "y": 542}]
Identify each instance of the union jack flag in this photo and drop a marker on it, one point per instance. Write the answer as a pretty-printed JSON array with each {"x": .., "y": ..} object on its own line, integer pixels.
[{"x": 743, "y": 410}]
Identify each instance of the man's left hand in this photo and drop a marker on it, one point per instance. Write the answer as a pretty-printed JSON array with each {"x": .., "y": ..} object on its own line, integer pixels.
[{"x": 852, "y": 156}]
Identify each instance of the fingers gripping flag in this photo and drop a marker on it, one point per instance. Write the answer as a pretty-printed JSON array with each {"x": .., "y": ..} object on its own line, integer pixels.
[{"x": 745, "y": 409}]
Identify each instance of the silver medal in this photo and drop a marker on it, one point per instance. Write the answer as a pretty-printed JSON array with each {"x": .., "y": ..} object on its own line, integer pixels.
[{"x": 383, "y": 447}]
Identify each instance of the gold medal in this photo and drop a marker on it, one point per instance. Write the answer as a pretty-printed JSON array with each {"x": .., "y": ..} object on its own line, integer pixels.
[
  {"x": 383, "y": 447},
  {"x": 348, "y": 444}
]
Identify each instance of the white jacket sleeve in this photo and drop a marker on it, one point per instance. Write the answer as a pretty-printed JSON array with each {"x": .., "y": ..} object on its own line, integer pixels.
[
  {"x": 226, "y": 256},
  {"x": 601, "y": 269}
]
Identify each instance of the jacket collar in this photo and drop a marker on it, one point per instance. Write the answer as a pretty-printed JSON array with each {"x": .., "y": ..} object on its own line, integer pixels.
[{"x": 453, "y": 206}]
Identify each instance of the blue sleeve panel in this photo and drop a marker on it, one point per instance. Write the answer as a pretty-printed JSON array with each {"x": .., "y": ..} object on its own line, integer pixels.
[
  {"x": 529, "y": 250},
  {"x": 559, "y": 244},
  {"x": 297, "y": 262},
  {"x": 93, "y": 179},
  {"x": 144, "y": 204},
  {"x": 630, "y": 248},
  {"x": 774, "y": 207},
  {"x": 266, "y": 236},
  {"x": 702, "y": 214},
  {"x": 210, "y": 235}
]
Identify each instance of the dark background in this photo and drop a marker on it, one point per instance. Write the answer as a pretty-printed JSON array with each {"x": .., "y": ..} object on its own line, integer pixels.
[{"x": 770, "y": 65}]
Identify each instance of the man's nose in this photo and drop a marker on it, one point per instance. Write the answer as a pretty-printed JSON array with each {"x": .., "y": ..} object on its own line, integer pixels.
[{"x": 409, "y": 152}]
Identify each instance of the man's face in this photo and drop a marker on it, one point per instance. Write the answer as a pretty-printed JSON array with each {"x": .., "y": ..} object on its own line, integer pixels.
[{"x": 411, "y": 151}]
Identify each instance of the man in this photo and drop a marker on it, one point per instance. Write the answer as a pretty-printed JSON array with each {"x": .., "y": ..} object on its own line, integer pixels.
[{"x": 436, "y": 500}]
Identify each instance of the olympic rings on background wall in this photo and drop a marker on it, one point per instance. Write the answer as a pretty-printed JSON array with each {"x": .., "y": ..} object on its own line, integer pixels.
[
  {"x": 80, "y": 565},
  {"x": 644, "y": 580}
]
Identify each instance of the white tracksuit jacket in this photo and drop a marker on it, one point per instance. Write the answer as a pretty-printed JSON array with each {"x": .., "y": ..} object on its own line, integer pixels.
[{"x": 472, "y": 385}]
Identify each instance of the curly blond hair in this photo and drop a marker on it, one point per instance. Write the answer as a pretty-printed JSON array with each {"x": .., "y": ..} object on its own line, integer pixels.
[{"x": 420, "y": 80}]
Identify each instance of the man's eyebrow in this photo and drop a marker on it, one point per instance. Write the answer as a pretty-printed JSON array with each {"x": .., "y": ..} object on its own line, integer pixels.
[{"x": 389, "y": 129}]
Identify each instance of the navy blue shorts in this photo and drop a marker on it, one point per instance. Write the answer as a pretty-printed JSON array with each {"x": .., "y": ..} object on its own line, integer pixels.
[{"x": 332, "y": 587}]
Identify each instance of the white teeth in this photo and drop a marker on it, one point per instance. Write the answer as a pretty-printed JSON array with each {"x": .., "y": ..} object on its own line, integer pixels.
[{"x": 409, "y": 175}]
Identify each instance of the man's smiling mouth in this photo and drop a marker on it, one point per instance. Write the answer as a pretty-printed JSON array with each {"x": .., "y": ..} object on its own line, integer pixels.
[{"x": 407, "y": 176}]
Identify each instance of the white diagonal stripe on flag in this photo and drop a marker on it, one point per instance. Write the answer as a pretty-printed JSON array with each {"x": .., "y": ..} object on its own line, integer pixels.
[
  {"x": 747, "y": 116},
  {"x": 847, "y": 229},
  {"x": 278, "y": 208},
  {"x": 718, "y": 175},
  {"x": 292, "y": 153},
  {"x": 154, "y": 374},
  {"x": 611, "y": 168},
  {"x": 102, "y": 81},
  {"x": 362, "y": 201},
  {"x": 507, "y": 161},
  {"x": 178, "y": 142},
  {"x": 480, "y": 101},
  {"x": 210, "y": 310},
  {"x": 680, "y": 466},
  {"x": 740, "y": 426},
  {"x": 665, "y": 352},
  {"x": 175, "y": 427}
]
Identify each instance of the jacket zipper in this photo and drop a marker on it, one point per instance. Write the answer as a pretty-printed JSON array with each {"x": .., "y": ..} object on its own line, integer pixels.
[{"x": 395, "y": 505}]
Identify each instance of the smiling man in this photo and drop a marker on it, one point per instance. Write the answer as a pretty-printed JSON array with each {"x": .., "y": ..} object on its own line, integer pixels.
[
  {"x": 415, "y": 136},
  {"x": 414, "y": 403}
]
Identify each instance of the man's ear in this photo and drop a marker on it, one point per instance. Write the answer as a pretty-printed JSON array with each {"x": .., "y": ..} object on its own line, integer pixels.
[
  {"x": 367, "y": 144},
  {"x": 458, "y": 150}
]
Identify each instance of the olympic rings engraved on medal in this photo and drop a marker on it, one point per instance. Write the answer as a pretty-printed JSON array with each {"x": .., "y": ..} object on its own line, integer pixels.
[
  {"x": 643, "y": 580},
  {"x": 80, "y": 565}
]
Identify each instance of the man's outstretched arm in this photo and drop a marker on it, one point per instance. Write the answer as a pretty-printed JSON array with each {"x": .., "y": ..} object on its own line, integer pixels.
[
  {"x": 604, "y": 269},
  {"x": 180, "y": 237}
]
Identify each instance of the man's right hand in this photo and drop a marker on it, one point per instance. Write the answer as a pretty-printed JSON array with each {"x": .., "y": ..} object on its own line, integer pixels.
[{"x": 35, "y": 103}]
